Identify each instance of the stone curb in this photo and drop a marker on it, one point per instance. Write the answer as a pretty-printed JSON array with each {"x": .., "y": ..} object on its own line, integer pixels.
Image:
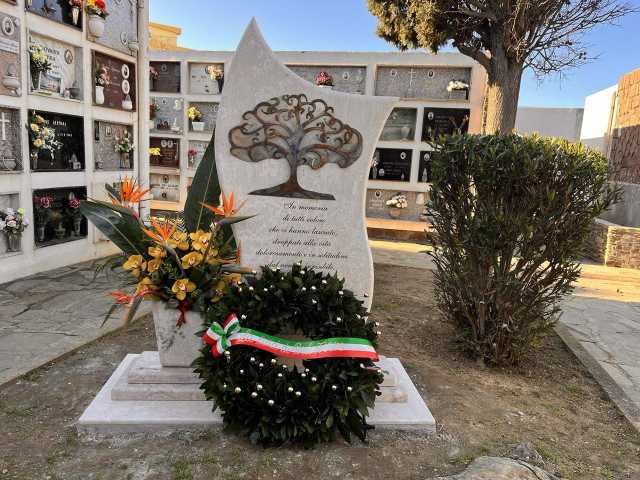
[{"x": 617, "y": 395}]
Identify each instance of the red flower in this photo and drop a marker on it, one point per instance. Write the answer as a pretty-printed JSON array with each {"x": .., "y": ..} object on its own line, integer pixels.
[
  {"x": 100, "y": 4},
  {"x": 74, "y": 203},
  {"x": 45, "y": 202}
]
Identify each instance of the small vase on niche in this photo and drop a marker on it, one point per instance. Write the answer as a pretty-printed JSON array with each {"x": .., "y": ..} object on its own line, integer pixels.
[
  {"x": 75, "y": 15},
  {"x": 13, "y": 242},
  {"x": 99, "y": 95}
]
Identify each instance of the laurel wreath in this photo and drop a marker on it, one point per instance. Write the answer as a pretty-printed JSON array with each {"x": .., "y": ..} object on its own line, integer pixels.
[{"x": 272, "y": 403}]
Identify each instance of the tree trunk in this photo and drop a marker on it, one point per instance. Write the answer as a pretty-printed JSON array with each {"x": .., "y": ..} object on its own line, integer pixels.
[{"x": 503, "y": 90}]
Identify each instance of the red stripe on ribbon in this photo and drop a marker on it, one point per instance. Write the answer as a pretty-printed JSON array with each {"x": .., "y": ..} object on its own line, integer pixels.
[{"x": 306, "y": 356}]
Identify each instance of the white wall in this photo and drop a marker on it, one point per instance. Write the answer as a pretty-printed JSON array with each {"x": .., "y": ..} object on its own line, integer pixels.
[
  {"x": 550, "y": 122},
  {"x": 596, "y": 119}
]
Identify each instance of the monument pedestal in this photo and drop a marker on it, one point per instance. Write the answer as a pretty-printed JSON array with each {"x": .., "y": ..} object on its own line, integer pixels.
[{"x": 142, "y": 396}]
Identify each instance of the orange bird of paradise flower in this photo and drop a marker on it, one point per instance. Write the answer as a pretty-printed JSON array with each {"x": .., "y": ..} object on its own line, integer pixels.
[
  {"x": 122, "y": 298},
  {"x": 227, "y": 209},
  {"x": 163, "y": 231},
  {"x": 130, "y": 192}
]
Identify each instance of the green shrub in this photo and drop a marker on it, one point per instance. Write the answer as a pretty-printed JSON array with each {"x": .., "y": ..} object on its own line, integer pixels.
[{"x": 510, "y": 214}]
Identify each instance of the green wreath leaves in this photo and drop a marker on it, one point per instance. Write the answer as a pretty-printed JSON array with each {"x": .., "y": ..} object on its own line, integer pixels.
[{"x": 271, "y": 403}]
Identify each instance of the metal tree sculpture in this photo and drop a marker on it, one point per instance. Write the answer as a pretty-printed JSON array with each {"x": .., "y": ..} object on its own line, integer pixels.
[{"x": 302, "y": 132}]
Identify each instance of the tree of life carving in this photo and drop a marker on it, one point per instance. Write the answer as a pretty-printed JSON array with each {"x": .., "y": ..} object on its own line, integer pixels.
[{"x": 300, "y": 131}]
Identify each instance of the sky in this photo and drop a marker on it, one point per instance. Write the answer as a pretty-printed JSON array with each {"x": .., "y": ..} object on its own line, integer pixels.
[{"x": 338, "y": 25}]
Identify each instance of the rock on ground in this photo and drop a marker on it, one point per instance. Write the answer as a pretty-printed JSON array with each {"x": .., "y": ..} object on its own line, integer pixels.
[{"x": 495, "y": 468}]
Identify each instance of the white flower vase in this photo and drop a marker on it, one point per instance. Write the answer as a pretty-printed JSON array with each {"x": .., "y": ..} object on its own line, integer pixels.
[
  {"x": 75, "y": 15},
  {"x": 178, "y": 346},
  {"x": 99, "y": 95},
  {"x": 96, "y": 26},
  {"x": 197, "y": 126}
]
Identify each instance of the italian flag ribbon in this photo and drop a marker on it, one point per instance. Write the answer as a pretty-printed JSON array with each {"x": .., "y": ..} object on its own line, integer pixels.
[{"x": 231, "y": 333}]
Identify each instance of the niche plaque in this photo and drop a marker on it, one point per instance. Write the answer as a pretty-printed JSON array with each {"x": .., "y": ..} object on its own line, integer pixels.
[
  {"x": 391, "y": 164},
  {"x": 444, "y": 121},
  {"x": 119, "y": 89}
]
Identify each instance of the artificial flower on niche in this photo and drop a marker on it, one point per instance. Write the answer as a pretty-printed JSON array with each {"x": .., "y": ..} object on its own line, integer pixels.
[
  {"x": 34, "y": 127},
  {"x": 136, "y": 264},
  {"x": 179, "y": 240},
  {"x": 39, "y": 120},
  {"x": 192, "y": 259},
  {"x": 38, "y": 143},
  {"x": 200, "y": 240},
  {"x": 181, "y": 287}
]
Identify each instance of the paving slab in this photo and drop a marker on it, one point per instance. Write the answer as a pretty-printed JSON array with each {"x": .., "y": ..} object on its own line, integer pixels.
[{"x": 46, "y": 315}]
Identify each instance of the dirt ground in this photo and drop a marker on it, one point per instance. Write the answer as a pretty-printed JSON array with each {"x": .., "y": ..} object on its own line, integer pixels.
[{"x": 552, "y": 403}]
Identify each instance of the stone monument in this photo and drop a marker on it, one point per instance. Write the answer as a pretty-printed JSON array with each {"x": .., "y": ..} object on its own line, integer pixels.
[{"x": 299, "y": 155}]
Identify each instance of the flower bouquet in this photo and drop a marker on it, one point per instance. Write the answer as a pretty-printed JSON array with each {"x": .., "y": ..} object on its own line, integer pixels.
[
  {"x": 191, "y": 156},
  {"x": 12, "y": 224},
  {"x": 124, "y": 146},
  {"x": 217, "y": 74},
  {"x": 42, "y": 212},
  {"x": 41, "y": 137},
  {"x": 97, "y": 12},
  {"x": 323, "y": 79},
  {"x": 184, "y": 265},
  {"x": 397, "y": 204},
  {"x": 38, "y": 63},
  {"x": 73, "y": 210},
  {"x": 458, "y": 89},
  {"x": 195, "y": 116}
]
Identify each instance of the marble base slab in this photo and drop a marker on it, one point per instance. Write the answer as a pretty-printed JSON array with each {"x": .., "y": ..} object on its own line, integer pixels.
[
  {"x": 146, "y": 368},
  {"x": 106, "y": 416},
  {"x": 147, "y": 379}
]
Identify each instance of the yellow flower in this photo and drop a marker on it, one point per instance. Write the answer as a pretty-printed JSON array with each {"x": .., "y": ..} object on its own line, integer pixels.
[
  {"x": 219, "y": 291},
  {"x": 181, "y": 287},
  {"x": 153, "y": 265},
  {"x": 200, "y": 240},
  {"x": 136, "y": 264},
  {"x": 38, "y": 143},
  {"x": 179, "y": 240},
  {"x": 212, "y": 258},
  {"x": 192, "y": 259},
  {"x": 34, "y": 127},
  {"x": 39, "y": 120},
  {"x": 154, "y": 151},
  {"x": 144, "y": 285},
  {"x": 157, "y": 252}
]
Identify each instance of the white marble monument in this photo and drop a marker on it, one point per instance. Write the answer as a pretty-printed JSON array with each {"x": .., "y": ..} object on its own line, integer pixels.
[{"x": 299, "y": 155}]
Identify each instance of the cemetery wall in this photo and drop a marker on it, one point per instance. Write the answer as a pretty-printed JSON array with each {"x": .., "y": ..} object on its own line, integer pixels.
[
  {"x": 401, "y": 164},
  {"x": 86, "y": 124},
  {"x": 596, "y": 120},
  {"x": 550, "y": 122}
]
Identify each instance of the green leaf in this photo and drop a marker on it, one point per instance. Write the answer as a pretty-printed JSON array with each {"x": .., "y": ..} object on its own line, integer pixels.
[
  {"x": 121, "y": 227},
  {"x": 204, "y": 189}
]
